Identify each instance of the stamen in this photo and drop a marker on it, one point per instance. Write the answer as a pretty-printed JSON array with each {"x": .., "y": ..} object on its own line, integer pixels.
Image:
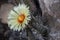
[{"x": 21, "y": 18}]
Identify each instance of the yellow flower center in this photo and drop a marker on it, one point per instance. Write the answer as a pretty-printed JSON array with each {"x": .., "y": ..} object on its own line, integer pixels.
[{"x": 21, "y": 18}]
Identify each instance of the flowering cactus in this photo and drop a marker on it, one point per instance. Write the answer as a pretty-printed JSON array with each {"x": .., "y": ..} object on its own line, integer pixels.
[{"x": 19, "y": 17}]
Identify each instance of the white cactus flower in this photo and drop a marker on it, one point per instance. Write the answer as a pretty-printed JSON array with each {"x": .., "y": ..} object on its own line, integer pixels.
[{"x": 19, "y": 17}]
